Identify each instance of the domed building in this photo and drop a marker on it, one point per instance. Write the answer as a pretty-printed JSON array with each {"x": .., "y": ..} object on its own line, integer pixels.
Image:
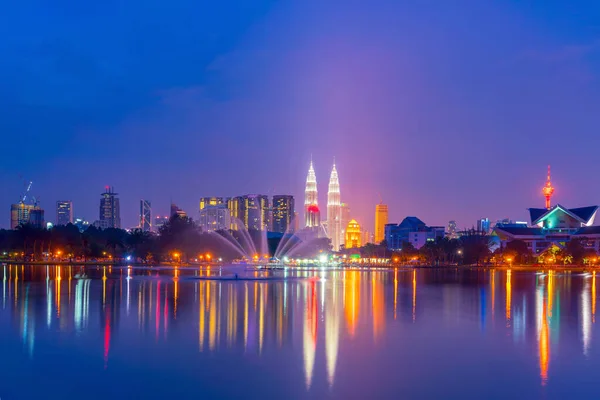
[{"x": 353, "y": 235}]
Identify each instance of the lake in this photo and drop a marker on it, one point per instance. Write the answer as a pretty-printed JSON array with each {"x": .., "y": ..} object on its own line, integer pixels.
[{"x": 118, "y": 332}]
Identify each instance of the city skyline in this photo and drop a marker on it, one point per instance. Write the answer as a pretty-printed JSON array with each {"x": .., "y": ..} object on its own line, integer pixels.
[{"x": 444, "y": 103}]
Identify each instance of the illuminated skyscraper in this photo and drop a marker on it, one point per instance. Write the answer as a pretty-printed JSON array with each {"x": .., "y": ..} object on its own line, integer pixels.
[
  {"x": 255, "y": 212},
  {"x": 283, "y": 213},
  {"x": 175, "y": 210},
  {"x": 214, "y": 218},
  {"x": 234, "y": 205},
  {"x": 334, "y": 210},
  {"x": 145, "y": 216},
  {"x": 110, "y": 210},
  {"x": 353, "y": 235},
  {"x": 381, "y": 218},
  {"x": 312, "y": 214},
  {"x": 212, "y": 201},
  {"x": 64, "y": 212}
]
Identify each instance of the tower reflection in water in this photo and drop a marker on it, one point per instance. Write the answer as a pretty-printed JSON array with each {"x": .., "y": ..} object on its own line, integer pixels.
[{"x": 325, "y": 312}]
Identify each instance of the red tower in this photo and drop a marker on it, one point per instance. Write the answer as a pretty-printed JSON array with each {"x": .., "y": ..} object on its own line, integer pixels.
[{"x": 548, "y": 190}]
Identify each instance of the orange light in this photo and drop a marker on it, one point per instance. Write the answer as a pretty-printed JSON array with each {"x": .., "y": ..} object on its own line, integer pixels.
[{"x": 208, "y": 256}]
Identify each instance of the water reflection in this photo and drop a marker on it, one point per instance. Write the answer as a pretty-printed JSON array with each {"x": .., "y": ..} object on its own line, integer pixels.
[{"x": 316, "y": 320}]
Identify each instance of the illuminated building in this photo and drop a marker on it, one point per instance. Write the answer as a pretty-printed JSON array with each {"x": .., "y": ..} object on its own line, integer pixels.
[
  {"x": 334, "y": 211},
  {"x": 255, "y": 212},
  {"x": 145, "y": 216},
  {"x": 214, "y": 218},
  {"x": 64, "y": 212},
  {"x": 312, "y": 214},
  {"x": 483, "y": 225},
  {"x": 353, "y": 235},
  {"x": 367, "y": 237},
  {"x": 234, "y": 205},
  {"x": 110, "y": 210},
  {"x": 413, "y": 231},
  {"x": 175, "y": 210},
  {"x": 19, "y": 214},
  {"x": 452, "y": 231},
  {"x": 553, "y": 226},
  {"x": 548, "y": 190},
  {"x": 212, "y": 201},
  {"x": 283, "y": 213},
  {"x": 345, "y": 210},
  {"x": 381, "y": 219}
]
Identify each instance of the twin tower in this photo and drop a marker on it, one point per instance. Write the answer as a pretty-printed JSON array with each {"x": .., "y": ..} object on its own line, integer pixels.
[{"x": 312, "y": 214}]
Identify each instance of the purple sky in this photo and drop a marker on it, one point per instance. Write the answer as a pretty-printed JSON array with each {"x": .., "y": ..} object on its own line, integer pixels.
[{"x": 450, "y": 110}]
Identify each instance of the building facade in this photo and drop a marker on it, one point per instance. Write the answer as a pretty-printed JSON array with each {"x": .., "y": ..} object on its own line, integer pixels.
[
  {"x": 381, "y": 220},
  {"x": 36, "y": 218},
  {"x": 145, "y": 215},
  {"x": 19, "y": 214},
  {"x": 255, "y": 212},
  {"x": 553, "y": 227},
  {"x": 334, "y": 210},
  {"x": 353, "y": 239},
  {"x": 214, "y": 218},
  {"x": 411, "y": 230},
  {"x": 64, "y": 212},
  {"x": 483, "y": 225},
  {"x": 212, "y": 201},
  {"x": 110, "y": 210},
  {"x": 159, "y": 222},
  {"x": 283, "y": 213}
]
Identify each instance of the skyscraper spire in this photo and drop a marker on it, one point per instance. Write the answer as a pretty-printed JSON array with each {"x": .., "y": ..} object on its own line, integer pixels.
[
  {"x": 334, "y": 210},
  {"x": 312, "y": 215}
]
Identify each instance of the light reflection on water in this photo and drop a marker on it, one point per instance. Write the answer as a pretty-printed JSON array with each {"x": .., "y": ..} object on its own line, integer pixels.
[{"x": 341, "y": 334}]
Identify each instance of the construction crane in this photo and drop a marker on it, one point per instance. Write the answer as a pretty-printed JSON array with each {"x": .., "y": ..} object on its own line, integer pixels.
[{"x": 24, "y": 196}]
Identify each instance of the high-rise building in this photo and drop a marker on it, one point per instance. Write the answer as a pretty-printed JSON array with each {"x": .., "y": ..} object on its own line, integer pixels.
[
  {"x": 483, "y": 225},
  {"x": 367, "y": 237},
  {"x": 159, "y": 222},
  {"x": 255, "y": 211},
  {"x": 36, "y": 218},
  {"x": 175, "y": 210},
  {"x": 334, "y": 210},
  {"x": 234, "y": 205},
  {"x": 19, "y": 214},
  {"x": 214, "y": 218},
  {"x": 64, "y": 212},
  {"x": 312, "y": 214},
  {"x": 353, "y": 235},
  {"x": 452, "y": 231},
  {"x": 381, "y": 219},
  {"x": 145, "y": 215},
  {"x": 212, "y": 201},
  {"x": 110, "y": 210},
  {"x": 283, "y": 213}
]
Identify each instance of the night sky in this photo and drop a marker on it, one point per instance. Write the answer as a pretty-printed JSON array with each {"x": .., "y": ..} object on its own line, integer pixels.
[{"x": 449, "y": 109}]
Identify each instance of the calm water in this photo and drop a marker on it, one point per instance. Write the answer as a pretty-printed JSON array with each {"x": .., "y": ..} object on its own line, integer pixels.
[{"x": 136, "y": 333}]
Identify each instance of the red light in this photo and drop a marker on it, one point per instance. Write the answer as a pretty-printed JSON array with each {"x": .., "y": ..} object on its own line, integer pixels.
[{"x": 313, "y": 208}]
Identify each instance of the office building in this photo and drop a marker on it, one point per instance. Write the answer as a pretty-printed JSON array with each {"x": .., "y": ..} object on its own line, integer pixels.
[
  {"x": 353, "y": 235},
  {"x": 483, "y": 226},
  {"x": 283, "y": 213},
  {"x": 255, "y": 212},
  {"x": 214, "y": 218},
  {"x": 81, "y": 224},
  {"x": 110, "y": 210},
  {"x": 452, "y": 230},
  {"x": 145, "y": 216},
  {"x": 212, "y": 201},
  {"x": 36, "y": 218},
  {"x": 334, "y": 210},
  {"x": 64, "y": 212},
  {"x": 381, "y": 219}
]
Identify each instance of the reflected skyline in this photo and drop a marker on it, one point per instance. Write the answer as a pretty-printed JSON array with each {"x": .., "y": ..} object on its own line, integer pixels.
[{"x": 329, "y": 313}]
